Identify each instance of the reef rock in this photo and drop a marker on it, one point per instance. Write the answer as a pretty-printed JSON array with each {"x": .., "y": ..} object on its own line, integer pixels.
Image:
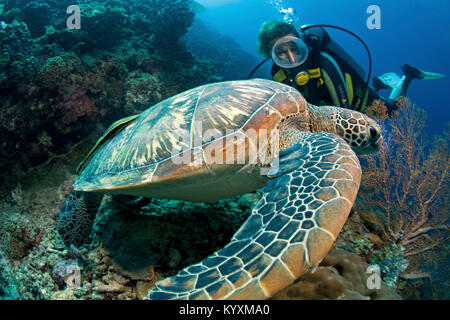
[{"x": 341, "y": 275}]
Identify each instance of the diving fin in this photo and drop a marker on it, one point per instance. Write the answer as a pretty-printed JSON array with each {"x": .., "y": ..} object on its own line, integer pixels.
[
  {"x": 415, "y": 73},
  {"x": 399, "y": 85},
  {"x": 386, "y": 81}
]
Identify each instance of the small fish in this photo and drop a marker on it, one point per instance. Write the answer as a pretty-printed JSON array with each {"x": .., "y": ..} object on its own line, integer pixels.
[{"x": 3, "y": 24}]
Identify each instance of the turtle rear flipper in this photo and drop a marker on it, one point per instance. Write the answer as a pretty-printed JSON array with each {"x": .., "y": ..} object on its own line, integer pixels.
[
  {"x": 77, "y": 217},
  {"x": 289, "y": 231}
]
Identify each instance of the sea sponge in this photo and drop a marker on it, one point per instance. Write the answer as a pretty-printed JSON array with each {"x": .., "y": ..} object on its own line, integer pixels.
[{"x": 341, "y": 275}]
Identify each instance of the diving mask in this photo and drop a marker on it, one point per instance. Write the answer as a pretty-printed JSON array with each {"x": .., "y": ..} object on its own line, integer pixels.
[{"x": 289, "y": 52}]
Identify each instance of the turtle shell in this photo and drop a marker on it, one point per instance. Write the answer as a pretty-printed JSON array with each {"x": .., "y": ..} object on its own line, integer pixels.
[{"x": 170, "y": 145}]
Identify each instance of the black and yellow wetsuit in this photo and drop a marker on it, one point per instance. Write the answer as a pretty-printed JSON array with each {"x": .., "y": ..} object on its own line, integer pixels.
[{"x": 329, "y": 76}]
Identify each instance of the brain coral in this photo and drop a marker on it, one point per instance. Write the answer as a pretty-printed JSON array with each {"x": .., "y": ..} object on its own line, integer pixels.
[{"x": 341, "y": 275}]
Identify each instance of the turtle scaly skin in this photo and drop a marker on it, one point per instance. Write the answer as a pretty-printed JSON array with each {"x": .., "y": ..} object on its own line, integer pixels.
[
  {"x": 308, "y": 190},
  {"x": 77, "y": 216}
]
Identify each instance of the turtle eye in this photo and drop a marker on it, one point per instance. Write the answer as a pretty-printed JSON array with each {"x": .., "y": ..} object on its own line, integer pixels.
[{"x": 374, "y": 134}]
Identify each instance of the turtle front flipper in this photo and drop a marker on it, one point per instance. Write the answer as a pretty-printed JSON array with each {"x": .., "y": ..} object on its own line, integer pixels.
[
  {"x": 290, "y": 230},
  {"x": 77, "y": 216}
]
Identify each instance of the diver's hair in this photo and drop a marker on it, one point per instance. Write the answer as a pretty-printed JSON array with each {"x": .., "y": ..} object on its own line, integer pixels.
[{"x": 271, "y": 30}]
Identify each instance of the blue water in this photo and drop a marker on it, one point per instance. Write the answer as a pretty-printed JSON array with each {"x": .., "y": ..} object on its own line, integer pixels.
[{"x": 412, "y": 31}]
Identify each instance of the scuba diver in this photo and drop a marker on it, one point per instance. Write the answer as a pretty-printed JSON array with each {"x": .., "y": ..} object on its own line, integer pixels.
[{"x": 323, "y": 72}]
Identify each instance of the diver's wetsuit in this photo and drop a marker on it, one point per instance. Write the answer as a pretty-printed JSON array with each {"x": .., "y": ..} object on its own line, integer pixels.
[{"x": 335, "y": 78}]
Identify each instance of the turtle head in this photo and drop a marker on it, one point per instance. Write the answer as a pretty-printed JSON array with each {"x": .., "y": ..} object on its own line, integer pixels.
[{"x": 360, "y": 131}]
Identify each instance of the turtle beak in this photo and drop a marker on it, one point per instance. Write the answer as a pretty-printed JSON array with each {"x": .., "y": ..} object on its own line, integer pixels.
[
  {"x": 373, "y": 142},
  {"x": 375, "y": 137}
]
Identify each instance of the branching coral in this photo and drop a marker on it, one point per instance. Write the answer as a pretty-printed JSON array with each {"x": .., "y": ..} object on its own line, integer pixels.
[{"x": 408, "y": 180}]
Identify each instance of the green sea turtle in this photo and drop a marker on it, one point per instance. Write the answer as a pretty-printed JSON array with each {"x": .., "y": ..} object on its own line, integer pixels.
[{"x": 220, "y": 140}]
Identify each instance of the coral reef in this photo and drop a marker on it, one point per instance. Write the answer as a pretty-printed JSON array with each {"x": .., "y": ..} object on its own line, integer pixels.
[
  {"x": 341, "y": 275},
  {"x": 404, "y": 192},
  {"x": 58, "y": 85},
  {"x": 16, "y": 44}
]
